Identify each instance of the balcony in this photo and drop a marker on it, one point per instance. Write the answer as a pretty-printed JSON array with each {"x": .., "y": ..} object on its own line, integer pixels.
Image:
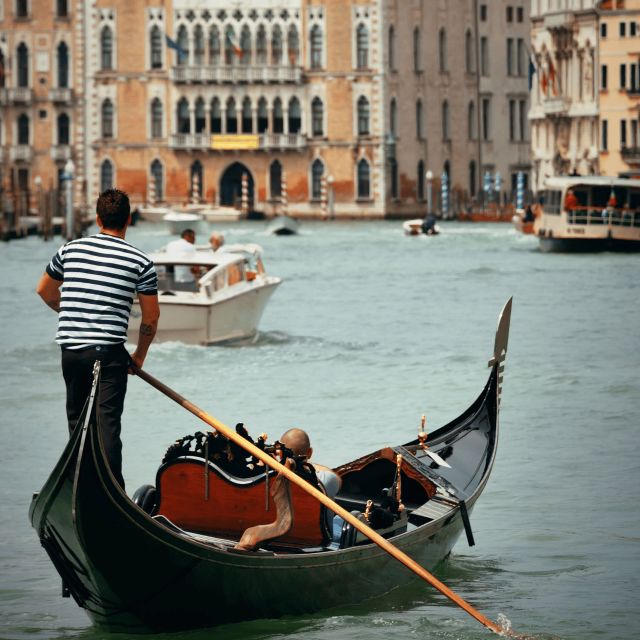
[
  {"x": 235, "y": 74},
  {"x": 238, "y": 142},
  {"x": 559, "y": 20},
  {"x": 61, "y": 152},
  {"x": 558, "y": 106},
  {"x": 22, "y": 95},
  {"x": 61, "y": 95},
  {"x": 20, "y": 153},
  {"x": 631, "y": 155}
]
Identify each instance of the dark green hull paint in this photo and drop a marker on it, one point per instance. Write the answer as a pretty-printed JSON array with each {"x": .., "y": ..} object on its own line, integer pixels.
[{"x": 132, "y": 574}]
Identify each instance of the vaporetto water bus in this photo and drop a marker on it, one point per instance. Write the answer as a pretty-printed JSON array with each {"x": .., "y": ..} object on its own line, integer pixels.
[{"x": 602, "y": 215}]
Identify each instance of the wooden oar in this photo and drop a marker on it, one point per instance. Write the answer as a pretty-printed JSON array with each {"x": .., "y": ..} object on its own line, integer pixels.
[{"x": 324, "y": 499}]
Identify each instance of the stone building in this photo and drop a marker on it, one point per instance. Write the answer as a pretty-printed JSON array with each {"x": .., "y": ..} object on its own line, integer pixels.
[
  {"x": 39, "y": 97},
  {"x": 348, "y": 104},
  {"x": 619, "y": 87},
  {"x": 564, "y": 96}
]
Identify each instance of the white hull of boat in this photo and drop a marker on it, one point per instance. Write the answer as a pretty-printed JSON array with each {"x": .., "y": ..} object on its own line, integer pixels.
[
  {"x": 414, "y": 227},
  {"x": 179, "y": 222},
  {"x": 154, "y": 214},
  {"x": 221, "y": 214},
  {"x": 185, "y": 317}
]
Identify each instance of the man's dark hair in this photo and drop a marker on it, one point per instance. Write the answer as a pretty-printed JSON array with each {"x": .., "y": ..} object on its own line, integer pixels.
[
  {"x": 188, "y": 232},
  {"x": 113, "y": 209}
]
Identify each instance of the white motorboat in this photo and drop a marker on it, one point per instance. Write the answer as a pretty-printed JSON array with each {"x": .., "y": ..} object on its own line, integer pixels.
[
  {"x": 224, "y": 303},
  {"x": 177, "y": 221},
  {"x": 221, "y": 214},
  {"x": 154, "y": 214},
  {"x": 415, "y": 227},
  {"x": 283, "y": 226}
]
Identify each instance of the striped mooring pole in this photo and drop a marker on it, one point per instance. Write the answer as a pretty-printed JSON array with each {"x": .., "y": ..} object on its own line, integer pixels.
[
  {"x": 324, "y": 201},
  {"x": 284, "y": 203},
  {"x": 151, "y": 190},
  {"x": 520, "y": 190},
  {"x": 244, "y": 202},
  {"x": 444, "y": 188}
]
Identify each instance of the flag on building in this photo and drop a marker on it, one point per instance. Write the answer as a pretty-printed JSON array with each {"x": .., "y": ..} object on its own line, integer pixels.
[
  {"x": 172, "y": 44},
  {"x": 544, "y": 82},
  {"x": 532, "y": 70},
  {"x": 552, "y": 78},
  {"x": 232, "y": 42}
]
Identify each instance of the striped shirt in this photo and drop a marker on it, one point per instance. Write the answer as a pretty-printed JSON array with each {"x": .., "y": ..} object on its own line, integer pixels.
[{"x": 100, "y": 276}]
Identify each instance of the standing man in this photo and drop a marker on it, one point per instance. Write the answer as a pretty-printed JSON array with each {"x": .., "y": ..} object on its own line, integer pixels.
[{"x": 90, "y": 283}]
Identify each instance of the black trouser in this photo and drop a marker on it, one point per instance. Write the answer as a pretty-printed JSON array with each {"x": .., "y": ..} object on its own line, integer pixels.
[{"x": 77, "y": 369}]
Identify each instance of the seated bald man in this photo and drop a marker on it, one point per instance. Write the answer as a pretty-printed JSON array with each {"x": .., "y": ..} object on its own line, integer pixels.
[{"x": 298, "y": 441}]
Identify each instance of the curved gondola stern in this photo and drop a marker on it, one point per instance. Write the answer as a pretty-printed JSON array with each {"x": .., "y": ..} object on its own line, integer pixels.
[{"x": 501, "y": 343}]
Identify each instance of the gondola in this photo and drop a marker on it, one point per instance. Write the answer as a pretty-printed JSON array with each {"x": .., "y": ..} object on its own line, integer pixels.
[{"x": 135, "y": 566}]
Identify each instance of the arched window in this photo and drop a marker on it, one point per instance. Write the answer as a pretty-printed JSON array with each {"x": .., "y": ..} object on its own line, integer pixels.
[
  {"x": 392, "y": 48},
  {"x": 317, "y": 117},
  {"x": 198, "y": 45},
  {"x": 295, "y": 116},
  {"x": 420, "y": 181},
  {"x": 230, "y": 45},
  {"x": 158, "y": 181},
  {"x": 231, "y": 116},
  {"x": 63, "y": 128},
  {"x": 472, "y": 178},
  {"x": 106, "y": 49},
  {"x": 182, "y": 54},
  {"x": 22, "y": 8},
  {"x": 155, "y": 47},
  {"x": 442, "y": 50},
  {"x": 183, "y": 119},
  {"x": 293, "y": 45},
  {"x": 364, "y": 180},
  {"x": 156, "y": 118},
  {"x": 3, "y": 70},
  {"x": 214, "y": 46},
  {"x": 263, "y": 116},
  {"x": 23, "y": 129},
  {"x": 62, "y": 9},
  {"x": 363, "y": 116},
  {"x": 275, "y": 179},
  {"x": 393, "y": 178},
  {"x": 216, "y": 116},
  {"x": 445, "y": 120},
  {"x": 417, "y": 50},
  {"x": 261, "y": 45},
  {"x": 419, "y": 130},
  {"x": 471, "y": 121},
  {"x": 63, "y": 65},
  {"x": 393, "y": 117},
  {"x": 276, "y": 45},
  {"x": 278, "y": 117},
  {"x": 317, "y": 171},
  {"x": 247, "y": 116},
  {"x": 245, "y": 46},
  {"x": 200, "y": 116},
  {"x": 107, "y": 118},
  {"x": 196, "y": 179},
  {"x": 23, "y": 65},
  {"x": 106, "y": 175},
  {"x": 362, "y": 47},
  {"x": 468, "y": 52},
  {"x": 316, "y": 47}
]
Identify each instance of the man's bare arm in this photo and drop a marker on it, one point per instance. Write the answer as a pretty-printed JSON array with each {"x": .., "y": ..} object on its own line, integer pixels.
[
  {"x": 148, "y": 325},
  {"x": 49, "y": 290}
]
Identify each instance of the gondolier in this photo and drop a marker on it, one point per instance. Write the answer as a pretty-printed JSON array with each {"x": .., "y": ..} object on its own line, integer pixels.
[{"x": 91, "y": 284}]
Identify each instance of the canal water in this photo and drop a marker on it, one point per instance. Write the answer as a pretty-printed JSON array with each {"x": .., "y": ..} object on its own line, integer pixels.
[{"x": 369, "y": 330}]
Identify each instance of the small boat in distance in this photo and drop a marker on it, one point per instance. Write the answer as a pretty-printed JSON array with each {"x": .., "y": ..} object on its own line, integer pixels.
[
  {"x": 524, "y": 221},
  {"x": 177, "y": 222},
  {"x": 170, "y": 559},
  {"x": 209, "y": 297},
  {"x": 283, "y": 226},
  {"x": 590, "y": 213},
  {"x": 421, "y": 226}
]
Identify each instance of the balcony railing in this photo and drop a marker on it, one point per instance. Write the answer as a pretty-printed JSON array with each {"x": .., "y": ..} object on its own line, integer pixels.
[
  {"x": 61, "y": 152},
  {"x": 556, "y": 106},
  {"x": 237, "y": 74},
  {"x": 21, "y": 153},
  {"x": 245, "y": 141},
  {"x": 20, "y": 94},
  {"x": 630, "y": 154},
  {"x": 62, "y": 95}
]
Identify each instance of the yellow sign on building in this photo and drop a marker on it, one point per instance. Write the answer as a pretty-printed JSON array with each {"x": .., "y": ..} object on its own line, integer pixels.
[{"x": 235, "y": 141}]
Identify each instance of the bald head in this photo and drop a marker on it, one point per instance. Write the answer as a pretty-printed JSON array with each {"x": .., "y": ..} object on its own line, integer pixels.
[{"x": 298, "y": 441}]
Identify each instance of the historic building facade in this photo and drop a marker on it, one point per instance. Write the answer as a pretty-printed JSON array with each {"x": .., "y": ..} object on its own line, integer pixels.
[
  {"x": 349, "y": 104},
  {"x": 619, "y": 87},
  {"x": 564, "y": 96}
]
